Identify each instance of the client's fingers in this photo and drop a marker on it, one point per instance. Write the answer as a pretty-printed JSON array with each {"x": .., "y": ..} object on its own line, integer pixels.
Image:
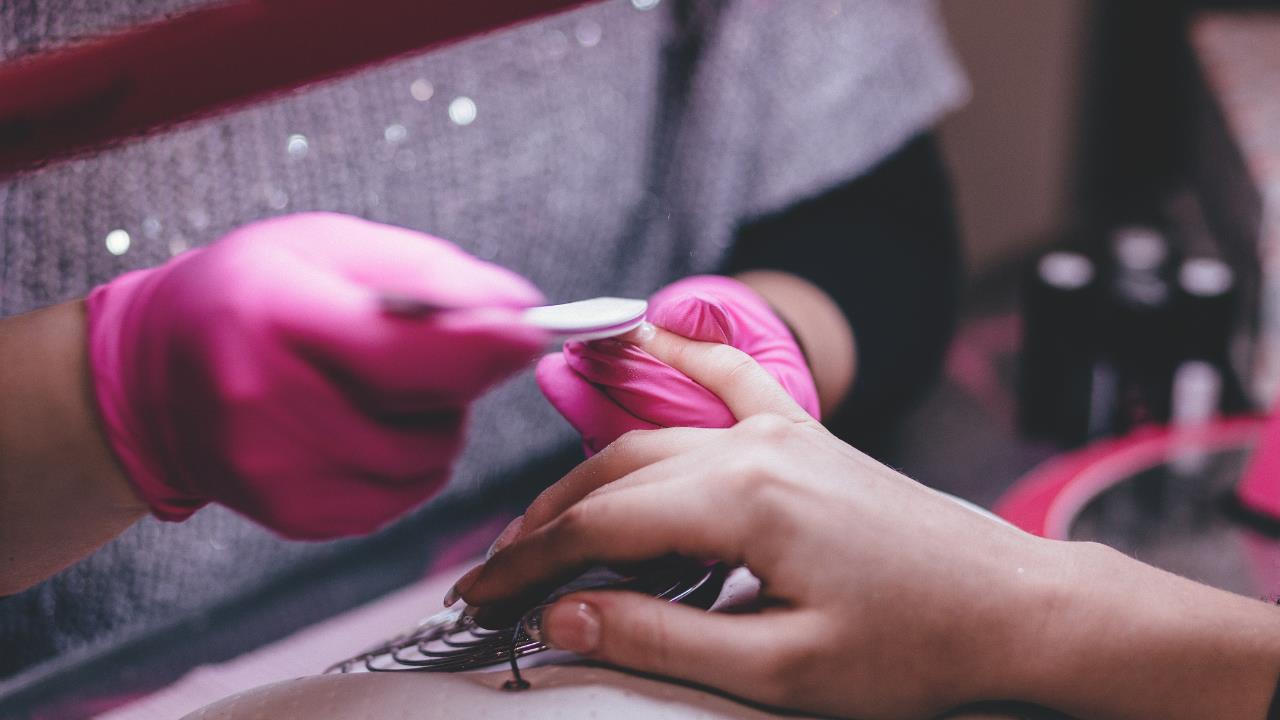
[
  {"x": 730, "y": 373},
  {"x": 629, "y": 453},
  {"x": 686, "y": 516},
  {"x": 737, "y": 653}
]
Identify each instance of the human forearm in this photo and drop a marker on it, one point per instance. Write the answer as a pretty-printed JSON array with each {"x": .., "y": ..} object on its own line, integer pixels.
[
  {"x": 1124, "y": 640},
  {"x": 820, "y": 327},
  {"x": 921, "y": 606},
  {"x": 62, "y": 494}
]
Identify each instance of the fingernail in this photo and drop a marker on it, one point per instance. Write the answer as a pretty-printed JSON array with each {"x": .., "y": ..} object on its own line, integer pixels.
[
  {"x": 508, "y": 534},
  {"x": 462, "y": 585},
  {"x": 642, "y": 334},
  {"x": 572, "y": 626}
]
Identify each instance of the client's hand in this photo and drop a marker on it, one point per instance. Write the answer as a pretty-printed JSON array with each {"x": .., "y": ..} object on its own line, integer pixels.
[
  {"x": 262, "y": 373},
  {"x": 607, "y": 388},
  {"x": 883, "y": 598}
]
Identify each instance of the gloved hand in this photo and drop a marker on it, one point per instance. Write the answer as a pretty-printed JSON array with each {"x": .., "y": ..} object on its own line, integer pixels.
[
  {"x": 608, "y": 387},
  {"x": 262, "y": 373}
]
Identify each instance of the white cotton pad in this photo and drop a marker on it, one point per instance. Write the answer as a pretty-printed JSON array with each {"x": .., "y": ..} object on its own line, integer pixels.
[
  {"x": 601, "y": 317},
  {"x": 593, "y": 319}
]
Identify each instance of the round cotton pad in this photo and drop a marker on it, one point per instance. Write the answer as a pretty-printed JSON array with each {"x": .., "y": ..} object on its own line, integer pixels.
[{"x": 589, "y": 319}]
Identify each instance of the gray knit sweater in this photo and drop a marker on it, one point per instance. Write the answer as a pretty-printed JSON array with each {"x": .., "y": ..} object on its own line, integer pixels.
[{"x": 604, "y": 151}]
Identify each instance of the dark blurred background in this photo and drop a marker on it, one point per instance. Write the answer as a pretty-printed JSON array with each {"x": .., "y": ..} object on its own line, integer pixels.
[
  {"x": 1088, "y": 118},
  {"x": 1079, "y": 119}
]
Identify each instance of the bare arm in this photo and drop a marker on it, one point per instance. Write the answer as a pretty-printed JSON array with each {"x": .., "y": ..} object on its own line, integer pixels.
[
  {"x": 820, "y": 327},
  {"x": 62, "y": 495},
  {"x": 1124, "y": 640},
  {"x": 884, "y": 599}
]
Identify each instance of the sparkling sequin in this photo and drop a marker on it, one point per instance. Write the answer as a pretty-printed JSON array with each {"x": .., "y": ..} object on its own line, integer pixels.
[
  {"x": 151, "y": 227},
  {"x": 555, "y": 44},
  {"x": 462, "y": 110},
  {"x": 297, "y": 146},
  {"x": 588, "y": 33},
  {"x": 118, "y": 242},
  {"x": 198, "y": 218},
  {"x": 274, "y": 197},
  {"x": 421, "y": 90},
  {"x": 395, "y": 133}
]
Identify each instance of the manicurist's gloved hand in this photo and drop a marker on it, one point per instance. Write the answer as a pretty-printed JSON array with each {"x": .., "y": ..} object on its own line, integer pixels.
[
  {"x": 608, "y": 387},
  {"x": 261, "y": 372}
]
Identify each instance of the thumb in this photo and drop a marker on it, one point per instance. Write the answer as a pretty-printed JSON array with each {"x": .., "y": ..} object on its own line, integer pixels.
[{"x": 729, "y": 652}]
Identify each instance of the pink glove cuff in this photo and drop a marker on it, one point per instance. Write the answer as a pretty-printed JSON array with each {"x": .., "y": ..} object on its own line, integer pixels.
[{"x": 126, "y": 428}]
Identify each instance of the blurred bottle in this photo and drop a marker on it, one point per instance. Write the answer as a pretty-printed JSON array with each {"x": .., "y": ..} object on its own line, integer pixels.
[
  {"x": 1204, "y": 382},
  {"x": 1056, "y": 380},
  {"x": 1208, "y": 302},
  {"x": 1139, "y": 328}
]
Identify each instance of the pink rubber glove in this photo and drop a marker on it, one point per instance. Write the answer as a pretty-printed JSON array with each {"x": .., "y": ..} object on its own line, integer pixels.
[
  {"x": 608, "y": 387},
  {"x": 261, "y": 372}
]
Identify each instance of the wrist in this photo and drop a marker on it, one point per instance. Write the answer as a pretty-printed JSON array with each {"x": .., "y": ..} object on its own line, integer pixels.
[
  {"x": 65, "y": 493},
  {"x": 51, "y": 387},
  {"x": 1121, "y": 639},
  {"x": 1056, "y": 620},
  {"x": 1012, "y": 623}
]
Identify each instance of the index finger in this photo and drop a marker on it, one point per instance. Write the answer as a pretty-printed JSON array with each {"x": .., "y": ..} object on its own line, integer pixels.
[
  {"x": 684, "y": 515},
  {"x": 623, "y": 457},
  {"x": 733, "y": 375}
]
